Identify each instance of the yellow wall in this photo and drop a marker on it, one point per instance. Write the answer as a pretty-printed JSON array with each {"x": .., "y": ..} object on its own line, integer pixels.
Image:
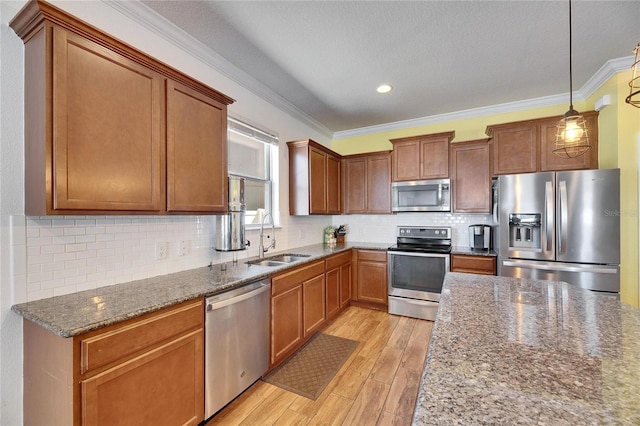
[
  {"x": 469, "y": 129},
  {"x": 618, "y": 139}
]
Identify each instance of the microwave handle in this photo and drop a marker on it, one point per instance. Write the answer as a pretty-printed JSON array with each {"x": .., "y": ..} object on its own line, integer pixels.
[{"x": 439, "y": 194}]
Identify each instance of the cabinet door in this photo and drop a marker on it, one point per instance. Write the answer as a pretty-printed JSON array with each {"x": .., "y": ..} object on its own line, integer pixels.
[
  {"x": 333, "y": 292},
  {"x": 355, "y": 185},
  {"x": 317, "y": 181},
  {"x": 162, "y": 386},
  {"x": 345, "y": 285},
  {"x": 334, "y": 193},
  {"x": 515, "y": 149},
  {"x": 379, "y": 184},
  {"x": 286, "y": 323},
  {"x": 406, "y": 161},
  {"x": 372, "y": 282},
  {"x": 550, "y": 162},
  {"x": 196, "y": 151},
  {"x": 434, "y": 158},
  {"x": 313, "y": 294},
  {"x": 471, "y": 177},
  {"x": 108, "y": 150}
]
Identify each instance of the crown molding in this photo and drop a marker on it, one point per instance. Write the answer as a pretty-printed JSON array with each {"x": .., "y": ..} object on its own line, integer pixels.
[
  {"x": 608, "y": 70},
  {"x": 164, "y": 29},
  {"x": 453, "y": 116}
]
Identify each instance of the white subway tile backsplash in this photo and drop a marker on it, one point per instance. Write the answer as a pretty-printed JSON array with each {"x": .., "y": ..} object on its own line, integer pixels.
[
  {"x": 73, "y": 253},
  {"x": 68, "y": 254}
]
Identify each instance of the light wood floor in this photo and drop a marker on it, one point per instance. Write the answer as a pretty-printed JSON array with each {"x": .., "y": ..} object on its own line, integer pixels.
[{"x": 378, "y": 384}]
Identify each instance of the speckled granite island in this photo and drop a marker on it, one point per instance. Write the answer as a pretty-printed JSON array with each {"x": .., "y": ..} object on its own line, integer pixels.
[
  {"x": 515, "y": 351},
  {"x": 74, "y": 314}
]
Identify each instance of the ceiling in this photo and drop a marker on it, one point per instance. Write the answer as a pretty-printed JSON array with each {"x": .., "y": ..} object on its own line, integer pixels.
[{"x": 327, "y": 57}]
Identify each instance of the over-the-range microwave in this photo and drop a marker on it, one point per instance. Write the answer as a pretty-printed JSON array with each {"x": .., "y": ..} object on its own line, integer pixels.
[{"x": 421, "y": 196}]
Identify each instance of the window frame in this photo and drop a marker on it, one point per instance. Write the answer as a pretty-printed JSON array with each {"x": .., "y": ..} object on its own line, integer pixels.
[{"x": 271, "y": 142}]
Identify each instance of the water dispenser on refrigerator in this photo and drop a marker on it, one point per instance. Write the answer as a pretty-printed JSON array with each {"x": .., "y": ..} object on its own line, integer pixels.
[{"x": 525, "y": 231}]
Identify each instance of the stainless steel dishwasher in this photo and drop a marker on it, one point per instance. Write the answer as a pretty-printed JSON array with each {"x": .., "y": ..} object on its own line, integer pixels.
[{"x": 236, "y": 342}]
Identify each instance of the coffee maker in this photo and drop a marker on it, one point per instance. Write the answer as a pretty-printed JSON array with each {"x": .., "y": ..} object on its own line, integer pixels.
[{"x": 480, "y": 237}]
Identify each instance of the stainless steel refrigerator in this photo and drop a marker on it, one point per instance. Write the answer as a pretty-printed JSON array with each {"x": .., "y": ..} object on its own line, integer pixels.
[{"x": 561, "y": 226}]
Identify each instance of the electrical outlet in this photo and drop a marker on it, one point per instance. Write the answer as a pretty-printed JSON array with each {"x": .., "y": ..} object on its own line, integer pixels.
[
  {"x": 183, "y": 247},
  {"x": 162, "y": 250}
]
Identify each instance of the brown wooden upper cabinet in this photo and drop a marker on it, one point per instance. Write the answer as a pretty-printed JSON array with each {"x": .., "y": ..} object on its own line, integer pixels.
[
  {"x": 314, "y": 179},
  {"x": 471, "y": 176},
  {"x": 367, "y": 183},
  {"x": 526, "y": 146},
  {"x": 111, "y": 130},
  {"x": 421, "y": 157}
]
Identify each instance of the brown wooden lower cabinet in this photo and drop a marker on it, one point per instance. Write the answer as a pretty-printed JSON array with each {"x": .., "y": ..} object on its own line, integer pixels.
[
  {"x": 371, "y": 278},
  {"x": 485, "y": 265},
  {"x": 338, "y": 281},
  {"x": 148, "y": 370},
  {"x": 286, "y": 323},
  {"x": 154, "y": 388},
  {"x": 297, "y": 308},
  {"x": 313, "y": 304}
]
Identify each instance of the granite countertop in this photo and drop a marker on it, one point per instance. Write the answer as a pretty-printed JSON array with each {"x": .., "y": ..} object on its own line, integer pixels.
[
  {"x": 472, "y": 252},
  {"x": 516, "y": 351},
  {"x": 78, "y": 313}
]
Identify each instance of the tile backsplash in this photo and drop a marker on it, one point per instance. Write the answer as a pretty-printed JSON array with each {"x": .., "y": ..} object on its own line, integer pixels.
[
  {"x": 382, "y": 228},
  {"x": 74, "y": 253},
  {"x": 68, "y": 254}
]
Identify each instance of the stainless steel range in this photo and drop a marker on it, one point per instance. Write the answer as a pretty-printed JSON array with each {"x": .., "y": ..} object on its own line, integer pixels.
[{"x": 417, "y": 266}]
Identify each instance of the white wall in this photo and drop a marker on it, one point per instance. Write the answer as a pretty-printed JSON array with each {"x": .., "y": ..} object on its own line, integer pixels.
[{"x": 45, "y": 256}]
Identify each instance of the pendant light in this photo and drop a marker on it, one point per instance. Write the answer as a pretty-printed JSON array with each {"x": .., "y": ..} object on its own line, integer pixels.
[
  {"x": 572, "y": 137},
  {"x": 634, "y": 84}
]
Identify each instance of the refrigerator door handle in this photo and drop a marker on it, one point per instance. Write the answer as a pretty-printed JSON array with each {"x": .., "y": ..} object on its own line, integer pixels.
[
  {"x": 548, "y": 202},
  {"x": 562, "y": 222},
  {"x": 560, "y": 267}
]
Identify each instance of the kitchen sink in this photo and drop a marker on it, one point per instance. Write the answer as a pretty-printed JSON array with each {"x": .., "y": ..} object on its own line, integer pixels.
[
  {"x": 279, "y": 260},
  {"x": 266, "y": 263},
  {"x": 288, "y": 258}
]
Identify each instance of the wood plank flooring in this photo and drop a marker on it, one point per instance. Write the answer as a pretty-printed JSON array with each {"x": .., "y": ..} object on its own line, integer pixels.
[{"x": 377, "y": 385}]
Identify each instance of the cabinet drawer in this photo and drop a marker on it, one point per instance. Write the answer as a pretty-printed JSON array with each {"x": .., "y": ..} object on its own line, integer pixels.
[
  {"x": 473, "y": 264},
  {"x": 372, "y": 255},
  {"x": 120, "y": 342},
  {"x": 288, "y": 280},
  {"x": 338, "y": 259}
]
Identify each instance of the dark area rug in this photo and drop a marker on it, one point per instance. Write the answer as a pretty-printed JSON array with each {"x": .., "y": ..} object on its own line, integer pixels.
[{"x": 312, "y": 367}]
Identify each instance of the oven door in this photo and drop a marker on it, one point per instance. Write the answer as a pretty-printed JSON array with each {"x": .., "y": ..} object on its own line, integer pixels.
[{"x": 417, "y": 275}]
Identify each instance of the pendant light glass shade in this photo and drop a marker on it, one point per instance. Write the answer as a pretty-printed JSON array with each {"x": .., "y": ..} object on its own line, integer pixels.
[
  {"x": 572, "y": 137},
  {"x": 634, "y": 84}
]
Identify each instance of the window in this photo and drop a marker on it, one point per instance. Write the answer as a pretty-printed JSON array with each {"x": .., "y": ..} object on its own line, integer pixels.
[{"x": 253, "y": 155}]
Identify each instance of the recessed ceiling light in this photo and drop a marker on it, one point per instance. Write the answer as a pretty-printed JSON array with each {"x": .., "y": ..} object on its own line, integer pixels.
[{"x": 384, "y": 88}]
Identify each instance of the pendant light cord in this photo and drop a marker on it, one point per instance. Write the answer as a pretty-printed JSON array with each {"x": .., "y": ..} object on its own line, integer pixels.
[{"x": 570, "y": 63}]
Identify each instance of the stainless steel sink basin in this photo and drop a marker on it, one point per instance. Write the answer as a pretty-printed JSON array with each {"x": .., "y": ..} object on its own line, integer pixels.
[
  {"x": 279, "y": 260},
  {"x": 266, "y": 263},
  {"x": 288, "y": 258}
]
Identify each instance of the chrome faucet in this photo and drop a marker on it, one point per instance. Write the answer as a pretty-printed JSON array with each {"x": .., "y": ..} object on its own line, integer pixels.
[{"x": 261, "y": 249}]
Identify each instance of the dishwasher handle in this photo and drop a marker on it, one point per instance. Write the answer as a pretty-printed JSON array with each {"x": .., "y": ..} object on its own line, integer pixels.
[{"x": 213, "y": 303}]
